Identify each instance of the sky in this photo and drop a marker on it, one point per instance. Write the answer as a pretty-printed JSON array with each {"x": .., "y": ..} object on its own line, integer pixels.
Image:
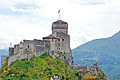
[{"x": 32, "y": 19}]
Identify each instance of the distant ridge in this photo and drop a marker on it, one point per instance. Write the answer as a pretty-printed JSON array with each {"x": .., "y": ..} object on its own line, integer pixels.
[
  {"x": 3, "y": 52},
  {"x": 105, "y": 51}
]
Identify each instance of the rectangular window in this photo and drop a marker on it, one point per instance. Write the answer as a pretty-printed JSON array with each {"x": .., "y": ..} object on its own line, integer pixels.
[
  {"x": 58, "y": 39},
  {"x": 52, "y": 40},
  {"x": 62, "y": 40},
  {"x": 58, "y": 44}
]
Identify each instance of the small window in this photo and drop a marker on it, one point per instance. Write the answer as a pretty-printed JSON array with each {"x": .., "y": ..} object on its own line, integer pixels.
[
  {"x": 62, "y": 40},
  {"x": 52, "y": 40},
  {"x": 21, "y": 47},
  {"x": 58, "y": 39},
  {"x": 58, "y": 44},
  {"x": 28, "y": 46},
  {"x": 58, "y": 48}
]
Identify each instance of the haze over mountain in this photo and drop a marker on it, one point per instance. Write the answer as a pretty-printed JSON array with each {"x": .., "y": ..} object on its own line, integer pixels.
[
  {"x": 105, "y": 51},
  {"x": 3, "y": 52}
]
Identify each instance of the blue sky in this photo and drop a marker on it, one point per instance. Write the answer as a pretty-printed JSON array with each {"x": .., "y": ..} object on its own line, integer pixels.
[{"x": 32, "y": 19}]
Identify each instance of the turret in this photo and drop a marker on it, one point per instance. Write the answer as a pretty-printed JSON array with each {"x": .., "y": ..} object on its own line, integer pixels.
[{"x": 60, "y": 26}]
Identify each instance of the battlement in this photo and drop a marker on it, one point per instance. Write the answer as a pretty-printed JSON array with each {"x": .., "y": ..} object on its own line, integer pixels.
[{"x": 60, "y": 22}]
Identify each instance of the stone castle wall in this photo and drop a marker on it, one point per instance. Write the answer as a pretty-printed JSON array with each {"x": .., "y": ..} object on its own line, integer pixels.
[
  {"x": 13, "y": 58},
  {"x": 60, "y": 28},
  {"x": 35, "y": 47}
]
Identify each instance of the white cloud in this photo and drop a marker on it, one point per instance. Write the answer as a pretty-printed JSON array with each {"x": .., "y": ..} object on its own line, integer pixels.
[
  {"x": 90, "y": 2},
  {"x": 29, "y": 19},
  {"x": 19, "y": 6},
  {"x": 25, "y": 6},
  {"x": 5, "y": 40}
]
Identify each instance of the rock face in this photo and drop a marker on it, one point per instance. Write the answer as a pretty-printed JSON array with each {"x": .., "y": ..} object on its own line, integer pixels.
[
  {"x": 55, "y": 78},
  {"x": 92, "y": 70},
  {"x": 66, "y": 57}
]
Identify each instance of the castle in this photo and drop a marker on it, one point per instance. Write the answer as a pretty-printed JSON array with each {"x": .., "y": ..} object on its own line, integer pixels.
[{"x": 56, "y": 44}]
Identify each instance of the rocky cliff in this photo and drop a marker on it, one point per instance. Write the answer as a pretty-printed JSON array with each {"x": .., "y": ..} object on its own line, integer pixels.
[
  {"x": 92, "y": 70},
  {"x": 45, "y": 67}
]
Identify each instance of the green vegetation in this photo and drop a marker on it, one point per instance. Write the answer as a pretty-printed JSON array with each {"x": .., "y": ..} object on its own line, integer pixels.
[{"x": 41, "y": 68}]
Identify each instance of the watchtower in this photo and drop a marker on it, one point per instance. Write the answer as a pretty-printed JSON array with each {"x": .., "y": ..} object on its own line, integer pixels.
[{"x": 60, "y": 26}]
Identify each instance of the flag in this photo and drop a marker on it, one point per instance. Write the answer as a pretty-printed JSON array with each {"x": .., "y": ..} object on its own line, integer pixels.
[{"x": 59, "y": 11}]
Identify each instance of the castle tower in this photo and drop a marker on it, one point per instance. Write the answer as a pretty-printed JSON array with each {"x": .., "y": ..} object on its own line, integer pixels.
[{"x": 60, "y": 26}]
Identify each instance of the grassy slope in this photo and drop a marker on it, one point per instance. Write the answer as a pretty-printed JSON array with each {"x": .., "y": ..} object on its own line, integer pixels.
[{"x": 41, "y": 68}]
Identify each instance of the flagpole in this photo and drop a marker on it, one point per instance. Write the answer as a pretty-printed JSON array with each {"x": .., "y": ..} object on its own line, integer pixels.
[{"x": 59, "y": 16}]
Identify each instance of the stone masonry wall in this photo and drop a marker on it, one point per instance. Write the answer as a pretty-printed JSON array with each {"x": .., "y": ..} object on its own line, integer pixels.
[{"x": 13, "y": 58}]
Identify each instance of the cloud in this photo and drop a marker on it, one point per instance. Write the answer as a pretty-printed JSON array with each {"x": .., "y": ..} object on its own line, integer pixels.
[
  {"x": 90, "y": 2},
  {"x": 5, "y": 40},
  {"x": 29, "y": 19},
  {"x": 19, "y": 7},
  {"x": 26, "y": 6},
  {"x": 15, "y": 28}
]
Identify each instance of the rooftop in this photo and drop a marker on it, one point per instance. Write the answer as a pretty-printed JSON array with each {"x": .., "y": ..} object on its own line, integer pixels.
[
  {"x": 49, "y": 37},
  {"x": 59, "y": 22}
]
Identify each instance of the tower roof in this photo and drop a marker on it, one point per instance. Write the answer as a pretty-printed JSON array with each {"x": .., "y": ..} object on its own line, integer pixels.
[
  {"x": 21, "y": 42},
  {"x": 59, "y": 22},
  {"x": 49, "y": 37}
]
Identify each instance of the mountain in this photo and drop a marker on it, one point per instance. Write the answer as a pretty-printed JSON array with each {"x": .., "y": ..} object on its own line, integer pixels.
[
  {"x": 104, "y": 51},
  {"x": 44, "y": 67},
  {"x": 117, "y": 77},
  {"x": 3, "y": 52}
]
